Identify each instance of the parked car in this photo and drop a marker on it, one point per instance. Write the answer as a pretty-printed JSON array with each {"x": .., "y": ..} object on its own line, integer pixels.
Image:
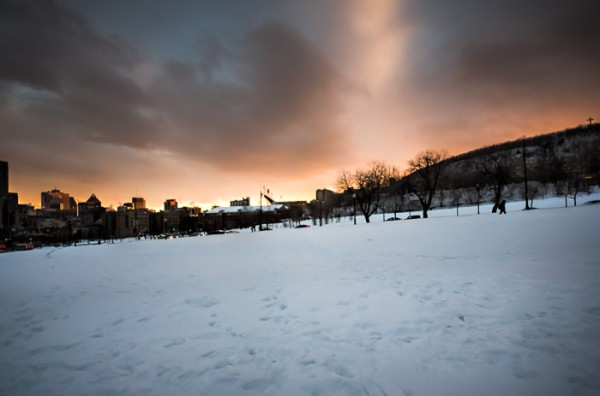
[
  {"x": 412, "y": 217},
  {"x": 393, "y": 219}
]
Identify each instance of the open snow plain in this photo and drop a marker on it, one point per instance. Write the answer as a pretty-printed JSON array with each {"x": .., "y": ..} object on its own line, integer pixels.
[{"x": 469, "y": 305}]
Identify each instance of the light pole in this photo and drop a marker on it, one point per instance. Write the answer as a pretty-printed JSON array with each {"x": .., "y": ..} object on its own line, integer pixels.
[
  {"x": 260, "y": 212},
  {"x": 525, "y": 175},
  {"x": 320, "y": 201},
  {"x": 478, "y": 197},
  {"x": 354, "y": 201}
]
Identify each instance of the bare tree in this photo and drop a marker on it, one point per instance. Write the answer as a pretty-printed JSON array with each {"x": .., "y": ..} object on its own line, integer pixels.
[
  {"x": 498, "y": 170},
  {"x": 392, "y": 186},
  {"x": 367, "y": 184},
  {"x": 424, "y": 173},
  {"x": 576, "y": 173},
  {"x": 549, "y": 167},
  {"x": 457, "y": 197}
]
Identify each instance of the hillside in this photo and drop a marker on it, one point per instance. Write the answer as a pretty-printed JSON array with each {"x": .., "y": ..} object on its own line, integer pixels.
[
  {"x": 551, "y": 158},
  {"x": 564, "y": 163},
  {"x": 561, "y": 141}
]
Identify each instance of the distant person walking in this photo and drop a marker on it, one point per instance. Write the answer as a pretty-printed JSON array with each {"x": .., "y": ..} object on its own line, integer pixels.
[{"x": 502, "y": 207}]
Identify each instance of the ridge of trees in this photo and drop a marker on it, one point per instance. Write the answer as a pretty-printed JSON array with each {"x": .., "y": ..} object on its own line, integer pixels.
[
  {"x": 537, "y": 140},
  {"x": 569, "y": 160}
]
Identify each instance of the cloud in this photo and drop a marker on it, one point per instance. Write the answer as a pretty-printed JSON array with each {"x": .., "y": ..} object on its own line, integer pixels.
[
  {"x": 499, "y": 67},
  {"x": 283, "y": 89},
  {"x": 537, "y": 46},
  {"x": 272, "y": 105},
  {"x": 74, "y": 78},
  {"x": 268, "y": 102}
]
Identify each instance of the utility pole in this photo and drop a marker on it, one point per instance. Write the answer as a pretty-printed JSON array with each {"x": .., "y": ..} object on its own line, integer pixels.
[
  {"x": 354, "y": 201},
  {"x": 525, "y": 175},
  {"x": 320, "y": 212},
  {"x": 261, "y": 210},
  {"x": 590, "y": 120},
  {"x": 478, "y": 197},
  {"x": 320, "y": 200}
]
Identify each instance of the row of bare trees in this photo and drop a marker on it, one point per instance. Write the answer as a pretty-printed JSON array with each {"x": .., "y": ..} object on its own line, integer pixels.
[
  {"x": 367, "y": 185},
  {"x": 432, "y": 172}
]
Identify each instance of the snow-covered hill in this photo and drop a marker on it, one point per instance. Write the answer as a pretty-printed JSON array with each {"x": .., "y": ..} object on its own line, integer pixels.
[{"x": 469, "y": 305}]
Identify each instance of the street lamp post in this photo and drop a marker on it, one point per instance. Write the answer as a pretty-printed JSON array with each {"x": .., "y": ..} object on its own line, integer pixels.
[
  {"x": 478, "y": 197},
  {"x": 525, "y": 176},
  {"x": 320, "y": 201},
  {"x": 260, "y": 212},
  {"x": 354, "y": 201}
]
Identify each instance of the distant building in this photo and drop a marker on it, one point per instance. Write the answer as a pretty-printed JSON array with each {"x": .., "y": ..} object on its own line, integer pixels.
[
  {"x": 170, "y": 205},
  {"x": 90, "y": 211},
  {"x": 24, "y": 213},
  {"x": 126, "y": 223},
  {"x": 189, "y": 219},
  {"x": 92, "y": 202},
  {"x": 171, "y": 220},
  {"x": 240, "y": 202},
  {"x": 127, "y": 206},
  {"x": 325, "y": 195},
  {"x": 3, "y": 195},
  {"x": 3, "y": 179},
  {"x": 10, "y": 207},
  {"x": 57, "y": 200},
  {"x": 138, "y": 203}
]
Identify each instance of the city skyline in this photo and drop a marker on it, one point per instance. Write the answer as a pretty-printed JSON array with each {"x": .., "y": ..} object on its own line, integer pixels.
[{"x": 206, "y": 102}]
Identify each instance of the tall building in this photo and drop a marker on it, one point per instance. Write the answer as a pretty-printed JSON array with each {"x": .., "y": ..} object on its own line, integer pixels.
[
  {"x": 127, "y": 223},
  {"x": 3, "y": 195},
  {"x": 11, "y": 203},
  {"x": 325, "y": 195},
  {"x": 93, "y": 202},
  {"x": 170, "y": 204},
  {"x": 91, "y": 210},
  {"x": 3, "y": 179},
  {"x": 138, "y": 203},
  {"x": 55, "y": 199},
  {"x": 240, "y": 202}
]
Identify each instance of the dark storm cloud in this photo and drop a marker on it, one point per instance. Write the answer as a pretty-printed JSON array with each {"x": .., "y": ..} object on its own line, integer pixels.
[
  {"x": 48, "y": 48},
  {"x": 270, "y": 105},
  {"x": 532, "y": 48},
  {"x": 486, "y": 71},
  {"x": 268, "y": 101},
  {"x": 212, "y": 54}
]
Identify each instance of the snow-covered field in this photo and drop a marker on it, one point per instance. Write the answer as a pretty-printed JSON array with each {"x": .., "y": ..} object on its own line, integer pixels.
[{"x": 469, "y": 305}]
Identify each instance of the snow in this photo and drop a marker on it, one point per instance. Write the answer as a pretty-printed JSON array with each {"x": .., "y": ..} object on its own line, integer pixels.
[
  {"x": 467, "y": 305},
  {"x": 236, "y": 209}
]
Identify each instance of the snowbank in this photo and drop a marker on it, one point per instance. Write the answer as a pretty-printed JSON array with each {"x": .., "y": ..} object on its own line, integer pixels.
[{"x": 494, "y": 305}]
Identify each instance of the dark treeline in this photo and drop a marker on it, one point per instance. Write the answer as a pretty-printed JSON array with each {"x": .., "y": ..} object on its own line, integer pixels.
[{"x": 561, "y": 163}]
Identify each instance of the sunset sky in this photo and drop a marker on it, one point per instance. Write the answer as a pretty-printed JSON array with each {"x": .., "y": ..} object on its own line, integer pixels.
[{"x": 209, "y": 101}]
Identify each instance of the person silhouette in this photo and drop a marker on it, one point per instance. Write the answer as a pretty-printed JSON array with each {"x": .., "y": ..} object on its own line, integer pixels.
[{"x": 502, "y": 207}]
